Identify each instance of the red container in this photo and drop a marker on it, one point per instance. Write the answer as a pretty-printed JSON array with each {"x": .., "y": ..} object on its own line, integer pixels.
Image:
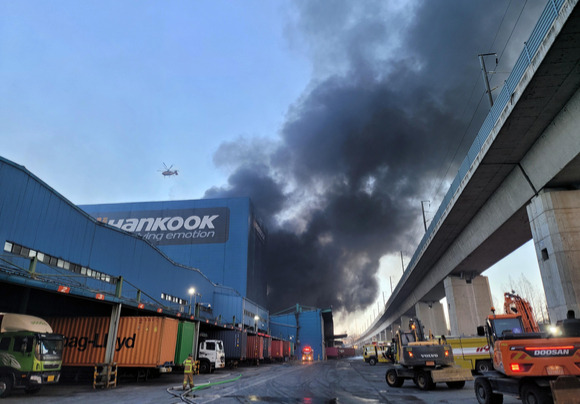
[
  {"x": 141, "y": 341},
  {"x": 346, "y": 352},
  {"x": 331, "y": 352},
  {"x": 286, "y": 350},
  {"x": 277, "y": 349},
  {"x": 255, "y": 347}
]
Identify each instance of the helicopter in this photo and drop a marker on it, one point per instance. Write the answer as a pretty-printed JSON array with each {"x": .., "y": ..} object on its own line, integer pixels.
[{"x": 167, "y": 172}]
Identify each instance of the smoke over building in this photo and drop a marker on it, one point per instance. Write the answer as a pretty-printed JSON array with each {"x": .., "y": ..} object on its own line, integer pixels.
[{"x": 388, "y": 114}]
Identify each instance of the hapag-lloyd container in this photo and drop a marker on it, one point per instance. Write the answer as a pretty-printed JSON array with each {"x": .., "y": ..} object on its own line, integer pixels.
[{"x": 141, "y": 341}]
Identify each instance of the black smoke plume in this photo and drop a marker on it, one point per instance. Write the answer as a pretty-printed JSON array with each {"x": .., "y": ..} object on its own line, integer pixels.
[{"x": 382, "y": 126}]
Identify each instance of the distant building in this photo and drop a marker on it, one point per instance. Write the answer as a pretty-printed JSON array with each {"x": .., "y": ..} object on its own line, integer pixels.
[{"x": 220, "y": 237}]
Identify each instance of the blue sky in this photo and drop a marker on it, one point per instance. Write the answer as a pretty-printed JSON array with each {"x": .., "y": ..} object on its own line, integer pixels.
[{"x": 96, "y": 95}]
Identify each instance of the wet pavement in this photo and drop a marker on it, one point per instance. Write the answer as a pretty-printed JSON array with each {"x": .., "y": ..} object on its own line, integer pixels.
[{"x": 329, "y": 382}]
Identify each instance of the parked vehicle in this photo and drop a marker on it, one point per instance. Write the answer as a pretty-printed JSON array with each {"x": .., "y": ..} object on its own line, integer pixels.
[
  {"x": 376, "y": 353},
  {"x": 426, "y": 361},
  {"x": 211, "y": 355},
  {"x": 471, "y": 353},
  {"x": 537, "y": 367},
  {"x": 30, "y": 353}
]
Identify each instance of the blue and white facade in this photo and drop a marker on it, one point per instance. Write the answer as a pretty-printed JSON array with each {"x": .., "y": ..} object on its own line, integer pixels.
[
  {"x": 41, "y": 229},
  {"x": 220, "y": 237}
]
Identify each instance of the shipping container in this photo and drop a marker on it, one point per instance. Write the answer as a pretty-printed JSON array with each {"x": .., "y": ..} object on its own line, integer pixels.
[
  {"x": 331, "y": 352},
  {"x": 346, "y": 352},
  {"x": 277, "y": 350},
  {"x": 287, "y": 349},
  {"x": 142, "y": 342},
  {"x": 267, "y": 348},
  {"x": 255, "y": 347},
  {"x": 184, "y": 346},
  {"x": 235, "y": 344}
]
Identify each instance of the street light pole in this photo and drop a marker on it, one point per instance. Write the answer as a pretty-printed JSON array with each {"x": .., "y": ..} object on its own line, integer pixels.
[{"x": 191, "y": 292}]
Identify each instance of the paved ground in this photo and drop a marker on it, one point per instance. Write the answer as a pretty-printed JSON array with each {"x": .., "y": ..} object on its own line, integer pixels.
[{"x": 335, "y": 381}]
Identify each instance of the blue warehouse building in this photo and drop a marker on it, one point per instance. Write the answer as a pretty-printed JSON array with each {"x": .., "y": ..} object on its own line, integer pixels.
[
  {"x": 61, "y": 259},
  {"x": 51, "y": 244},
  {"x": 221, "y": 237}
]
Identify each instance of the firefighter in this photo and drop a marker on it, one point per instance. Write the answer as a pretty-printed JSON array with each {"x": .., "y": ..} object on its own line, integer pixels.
[{"x": 188, "y": 366}]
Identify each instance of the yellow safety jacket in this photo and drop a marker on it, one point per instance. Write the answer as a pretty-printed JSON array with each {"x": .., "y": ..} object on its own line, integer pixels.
[{"x": 188, "y": 364}]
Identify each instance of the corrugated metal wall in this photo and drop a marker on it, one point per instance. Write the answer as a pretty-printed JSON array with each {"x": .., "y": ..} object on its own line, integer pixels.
[
  {"x": 311, "y": 332},
  {"x": 37, "y": 217}
]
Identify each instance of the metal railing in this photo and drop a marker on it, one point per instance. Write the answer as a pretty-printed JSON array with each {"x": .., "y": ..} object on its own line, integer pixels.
[{"x": 547, "y": 18}]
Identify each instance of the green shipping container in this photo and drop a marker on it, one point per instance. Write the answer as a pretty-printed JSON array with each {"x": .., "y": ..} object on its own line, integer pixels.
[{"x": 185, "y": 335}]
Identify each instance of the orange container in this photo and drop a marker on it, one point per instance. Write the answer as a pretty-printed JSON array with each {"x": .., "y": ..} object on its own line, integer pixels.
[
  {"x": 141, "y": 341},
  {"x": 255, "y": 347},
  {"x": 277, "y": 349}
]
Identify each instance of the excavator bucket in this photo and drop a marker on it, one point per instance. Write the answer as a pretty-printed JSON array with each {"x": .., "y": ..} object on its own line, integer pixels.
[{"x": 566, "y": 390}]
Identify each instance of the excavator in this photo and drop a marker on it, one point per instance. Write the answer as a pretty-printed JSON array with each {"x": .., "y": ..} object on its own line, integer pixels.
[
  {"x": 425, "y": 360},
  {"x": 539, "y": 368}
]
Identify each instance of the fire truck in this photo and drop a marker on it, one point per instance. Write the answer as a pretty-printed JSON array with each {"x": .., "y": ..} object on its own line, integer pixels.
[
  {"x": 307, "y": 354},
  {"x": 538, "y": 367}
]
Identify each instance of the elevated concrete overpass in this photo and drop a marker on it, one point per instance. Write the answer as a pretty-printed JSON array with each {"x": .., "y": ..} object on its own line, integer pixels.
[{"x": 530, "y": 143}]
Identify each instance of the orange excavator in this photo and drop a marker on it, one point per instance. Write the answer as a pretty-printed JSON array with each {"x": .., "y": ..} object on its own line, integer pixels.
[{"x": 538, "y": 367}]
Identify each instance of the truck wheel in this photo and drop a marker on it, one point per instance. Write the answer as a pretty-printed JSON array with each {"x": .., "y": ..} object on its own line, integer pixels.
[
  {"x": 393, "y": 379},
  {"x": 484, "y": 393},
  {"x": 534, "y": 394},
  {"x": 372, "y": 361},
  {"x": 424, "y": 381},
  {"x": 482, "y": 366},
  {"x": 204, "y": 367},
  {"x": 5, "y": 386},
  {"x": 456, "y": 385}
]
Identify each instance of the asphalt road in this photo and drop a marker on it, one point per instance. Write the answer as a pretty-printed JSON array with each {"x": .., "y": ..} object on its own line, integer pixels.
[{"x": 329, "y": 382}]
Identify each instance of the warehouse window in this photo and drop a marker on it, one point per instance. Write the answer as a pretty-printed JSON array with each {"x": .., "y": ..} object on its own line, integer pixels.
[{"x": 57, "y": 262}]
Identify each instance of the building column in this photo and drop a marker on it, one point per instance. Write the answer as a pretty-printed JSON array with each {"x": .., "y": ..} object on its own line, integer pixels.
[
  {"x": 555, "y": 223},
  {"x": 432, "y": 317},
  {"x": 469, "y": 303}
]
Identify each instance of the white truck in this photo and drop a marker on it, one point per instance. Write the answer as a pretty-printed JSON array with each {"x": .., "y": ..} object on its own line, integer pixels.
[{"x": 211, "y": 355}]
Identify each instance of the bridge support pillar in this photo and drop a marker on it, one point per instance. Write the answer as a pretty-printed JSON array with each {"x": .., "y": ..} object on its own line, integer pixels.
[
  {"x": 432, "y": 317},
  {"x": 469, "y": 303},
  {"x": 555, "y": 223},
  {"x": 388, "y": 335},
  {"x": 405, "y": 323}
]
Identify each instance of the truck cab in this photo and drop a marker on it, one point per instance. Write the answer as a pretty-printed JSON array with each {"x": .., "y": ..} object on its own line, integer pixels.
[
  {"x": 30, "y": 354},
  {"x": 211, "y": 355}
]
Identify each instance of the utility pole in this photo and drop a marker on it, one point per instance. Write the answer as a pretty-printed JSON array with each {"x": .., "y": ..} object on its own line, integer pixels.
[
  {"x": 391, "y": 280},
  {"x": 485, "y": 78},
  {"x": 423, "y": 210},
  {"x": 402, "y": 263}
]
